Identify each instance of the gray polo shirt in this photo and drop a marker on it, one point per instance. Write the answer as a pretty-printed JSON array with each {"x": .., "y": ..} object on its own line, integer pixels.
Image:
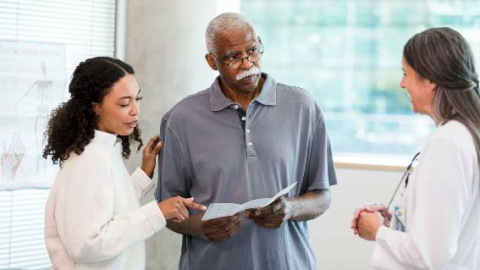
[{"x": 209, "y": 155}]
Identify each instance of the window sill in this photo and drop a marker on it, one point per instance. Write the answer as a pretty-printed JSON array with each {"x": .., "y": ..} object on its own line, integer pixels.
[{"x": 372, "y": 163}]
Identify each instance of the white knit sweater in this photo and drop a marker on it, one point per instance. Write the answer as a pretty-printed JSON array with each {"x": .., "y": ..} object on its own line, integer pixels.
[{"x": 93, "y": 218}]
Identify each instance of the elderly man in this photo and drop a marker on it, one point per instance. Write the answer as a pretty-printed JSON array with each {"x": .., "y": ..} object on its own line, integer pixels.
[{"x": 246, "y": 137}]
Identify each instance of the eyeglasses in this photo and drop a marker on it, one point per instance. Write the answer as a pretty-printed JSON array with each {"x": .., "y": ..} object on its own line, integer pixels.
[
  {"x": 235, "y": 60},
  {"x": 404, "y": 178}
]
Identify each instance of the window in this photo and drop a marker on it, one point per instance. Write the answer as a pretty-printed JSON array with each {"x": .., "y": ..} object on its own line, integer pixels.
[
  {"x": 41, "y": 42},
  {"x": 348, "y": 55}
]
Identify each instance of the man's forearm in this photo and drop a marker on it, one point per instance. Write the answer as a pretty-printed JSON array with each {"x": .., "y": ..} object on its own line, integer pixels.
[
  {"x": 310, "y": 205},
  {"x": 191, "y": 226}
]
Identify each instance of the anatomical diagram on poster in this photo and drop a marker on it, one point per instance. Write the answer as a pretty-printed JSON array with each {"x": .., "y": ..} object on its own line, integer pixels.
[{"x": 32, "y": 83}]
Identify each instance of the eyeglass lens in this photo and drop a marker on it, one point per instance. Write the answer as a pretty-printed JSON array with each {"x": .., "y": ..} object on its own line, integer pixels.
[{"x": 252, "y": 58}]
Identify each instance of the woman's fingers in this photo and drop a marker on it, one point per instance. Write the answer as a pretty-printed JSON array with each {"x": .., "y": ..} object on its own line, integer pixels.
[
  {"x": 154, "y": 145},
  {"x": 149, "y": 145},
  {"x": 182, "y": 211},
  {"x": 157, "y": 148},
  {"x": 189, "y": 203}
]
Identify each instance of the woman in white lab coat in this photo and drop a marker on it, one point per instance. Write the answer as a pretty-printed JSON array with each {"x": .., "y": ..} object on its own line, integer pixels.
[{"x": 434, "y": 221}]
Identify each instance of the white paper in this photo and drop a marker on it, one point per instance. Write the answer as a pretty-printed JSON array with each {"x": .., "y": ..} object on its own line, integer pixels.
[{"x": 216, "y": 210}]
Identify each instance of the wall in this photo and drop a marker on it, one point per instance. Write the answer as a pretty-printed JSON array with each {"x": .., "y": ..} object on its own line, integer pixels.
[
  {"x": 165, "y": 45},
  {"x": 335, "y": 246}
]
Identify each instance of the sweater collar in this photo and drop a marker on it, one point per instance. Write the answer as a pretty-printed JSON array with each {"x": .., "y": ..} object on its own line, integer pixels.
[{"x": 105, "y": 138}]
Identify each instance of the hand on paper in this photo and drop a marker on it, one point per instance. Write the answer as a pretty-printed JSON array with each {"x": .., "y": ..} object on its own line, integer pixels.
[
  {"x": 220, "y": 229},
  {"x": 175, "y": 208},
  {"x": 271, "y": 216}
]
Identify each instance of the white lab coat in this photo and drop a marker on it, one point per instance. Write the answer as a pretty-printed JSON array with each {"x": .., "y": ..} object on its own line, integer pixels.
[{"x": 442, "y": 208}]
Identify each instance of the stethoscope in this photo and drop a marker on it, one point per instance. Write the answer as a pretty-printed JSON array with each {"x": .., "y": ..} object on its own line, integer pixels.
[{"x": 405, "y": 176}]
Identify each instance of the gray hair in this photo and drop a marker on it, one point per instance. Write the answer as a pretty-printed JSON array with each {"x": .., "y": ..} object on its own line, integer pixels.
[
  {"x": 443, "y": 56},
  {"x": 223, "y": 24}
]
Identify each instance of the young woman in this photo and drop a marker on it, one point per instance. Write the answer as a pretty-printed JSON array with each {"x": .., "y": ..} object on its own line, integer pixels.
[
  {"x": 93, "y": 217},
  {"x": 435, "y": 221}
]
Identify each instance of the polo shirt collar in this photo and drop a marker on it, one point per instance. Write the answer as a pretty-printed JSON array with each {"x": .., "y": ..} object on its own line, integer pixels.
[{"x": 267, "y": 96}]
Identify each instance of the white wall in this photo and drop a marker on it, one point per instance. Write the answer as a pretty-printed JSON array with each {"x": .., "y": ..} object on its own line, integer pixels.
[
  {"x": 335, "y": 246},
  {"x": 165, "y": 44}
]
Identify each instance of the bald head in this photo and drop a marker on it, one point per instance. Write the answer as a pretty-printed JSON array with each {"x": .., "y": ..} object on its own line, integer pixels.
[{"x": 222, "y": 25}]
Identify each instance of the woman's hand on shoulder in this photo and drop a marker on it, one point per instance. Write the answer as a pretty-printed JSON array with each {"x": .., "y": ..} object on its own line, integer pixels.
[{"x": 149, "y": 155}]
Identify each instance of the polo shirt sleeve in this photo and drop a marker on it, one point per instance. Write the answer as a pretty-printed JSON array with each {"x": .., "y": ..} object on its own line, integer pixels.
[
  {"x": 173, "y": 170},
  {"x": 320, "y": 168}
]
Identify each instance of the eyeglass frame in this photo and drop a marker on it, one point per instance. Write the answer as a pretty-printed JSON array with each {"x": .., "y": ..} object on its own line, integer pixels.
[{"x": 261, "y": 50}]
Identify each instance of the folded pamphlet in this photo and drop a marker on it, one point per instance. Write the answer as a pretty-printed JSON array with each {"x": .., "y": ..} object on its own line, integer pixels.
[{"x": 216, "y": 210}]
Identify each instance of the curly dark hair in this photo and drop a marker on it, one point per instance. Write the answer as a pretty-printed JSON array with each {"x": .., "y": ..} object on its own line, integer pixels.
[{"x": 71, "y": 125}]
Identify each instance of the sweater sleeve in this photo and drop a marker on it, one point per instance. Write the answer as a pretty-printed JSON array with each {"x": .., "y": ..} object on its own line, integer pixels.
[
  {"x": 88, "y": 225},
  {"x": 437, "y": 205},
  {"x": 142, "y": 183}
]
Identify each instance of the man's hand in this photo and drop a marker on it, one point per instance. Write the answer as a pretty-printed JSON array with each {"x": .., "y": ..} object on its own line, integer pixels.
[
  {"x": 271, "y": 216},
  {"x": 220, "y": 229}
]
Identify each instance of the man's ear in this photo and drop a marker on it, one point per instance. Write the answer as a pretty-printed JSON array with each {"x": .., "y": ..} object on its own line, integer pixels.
[{"x": 211, "y": 61}]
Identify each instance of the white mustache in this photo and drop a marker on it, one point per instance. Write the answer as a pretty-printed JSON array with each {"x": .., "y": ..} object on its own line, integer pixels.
[{"x": 252, "y": 71}]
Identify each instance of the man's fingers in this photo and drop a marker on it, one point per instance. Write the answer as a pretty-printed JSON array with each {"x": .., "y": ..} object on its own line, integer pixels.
[
  {"x": 255, "y": 217},
  {"x": 218, "y": 222},
  {"x": 232, "y": 225},
  {"x": 264, "y": 211},
  {"x": 221, "y": 236},
  {"x": 277, "y": 206},
  {"x": 270, "y": 224},
  {"x": 221, "y": 233},
  {"x": 270, "y": 209}
]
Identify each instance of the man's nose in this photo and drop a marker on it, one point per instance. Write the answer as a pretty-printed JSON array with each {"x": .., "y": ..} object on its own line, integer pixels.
[{"x": 246, "y": 64}]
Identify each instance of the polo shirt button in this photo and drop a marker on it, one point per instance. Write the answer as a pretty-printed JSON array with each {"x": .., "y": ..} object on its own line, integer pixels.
[
  {"x": 236, "y": 107},
  {"x": 248, "y": 130},
  {"x": 250, "y": 143},
  {"x": 243, "y": 118}
]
